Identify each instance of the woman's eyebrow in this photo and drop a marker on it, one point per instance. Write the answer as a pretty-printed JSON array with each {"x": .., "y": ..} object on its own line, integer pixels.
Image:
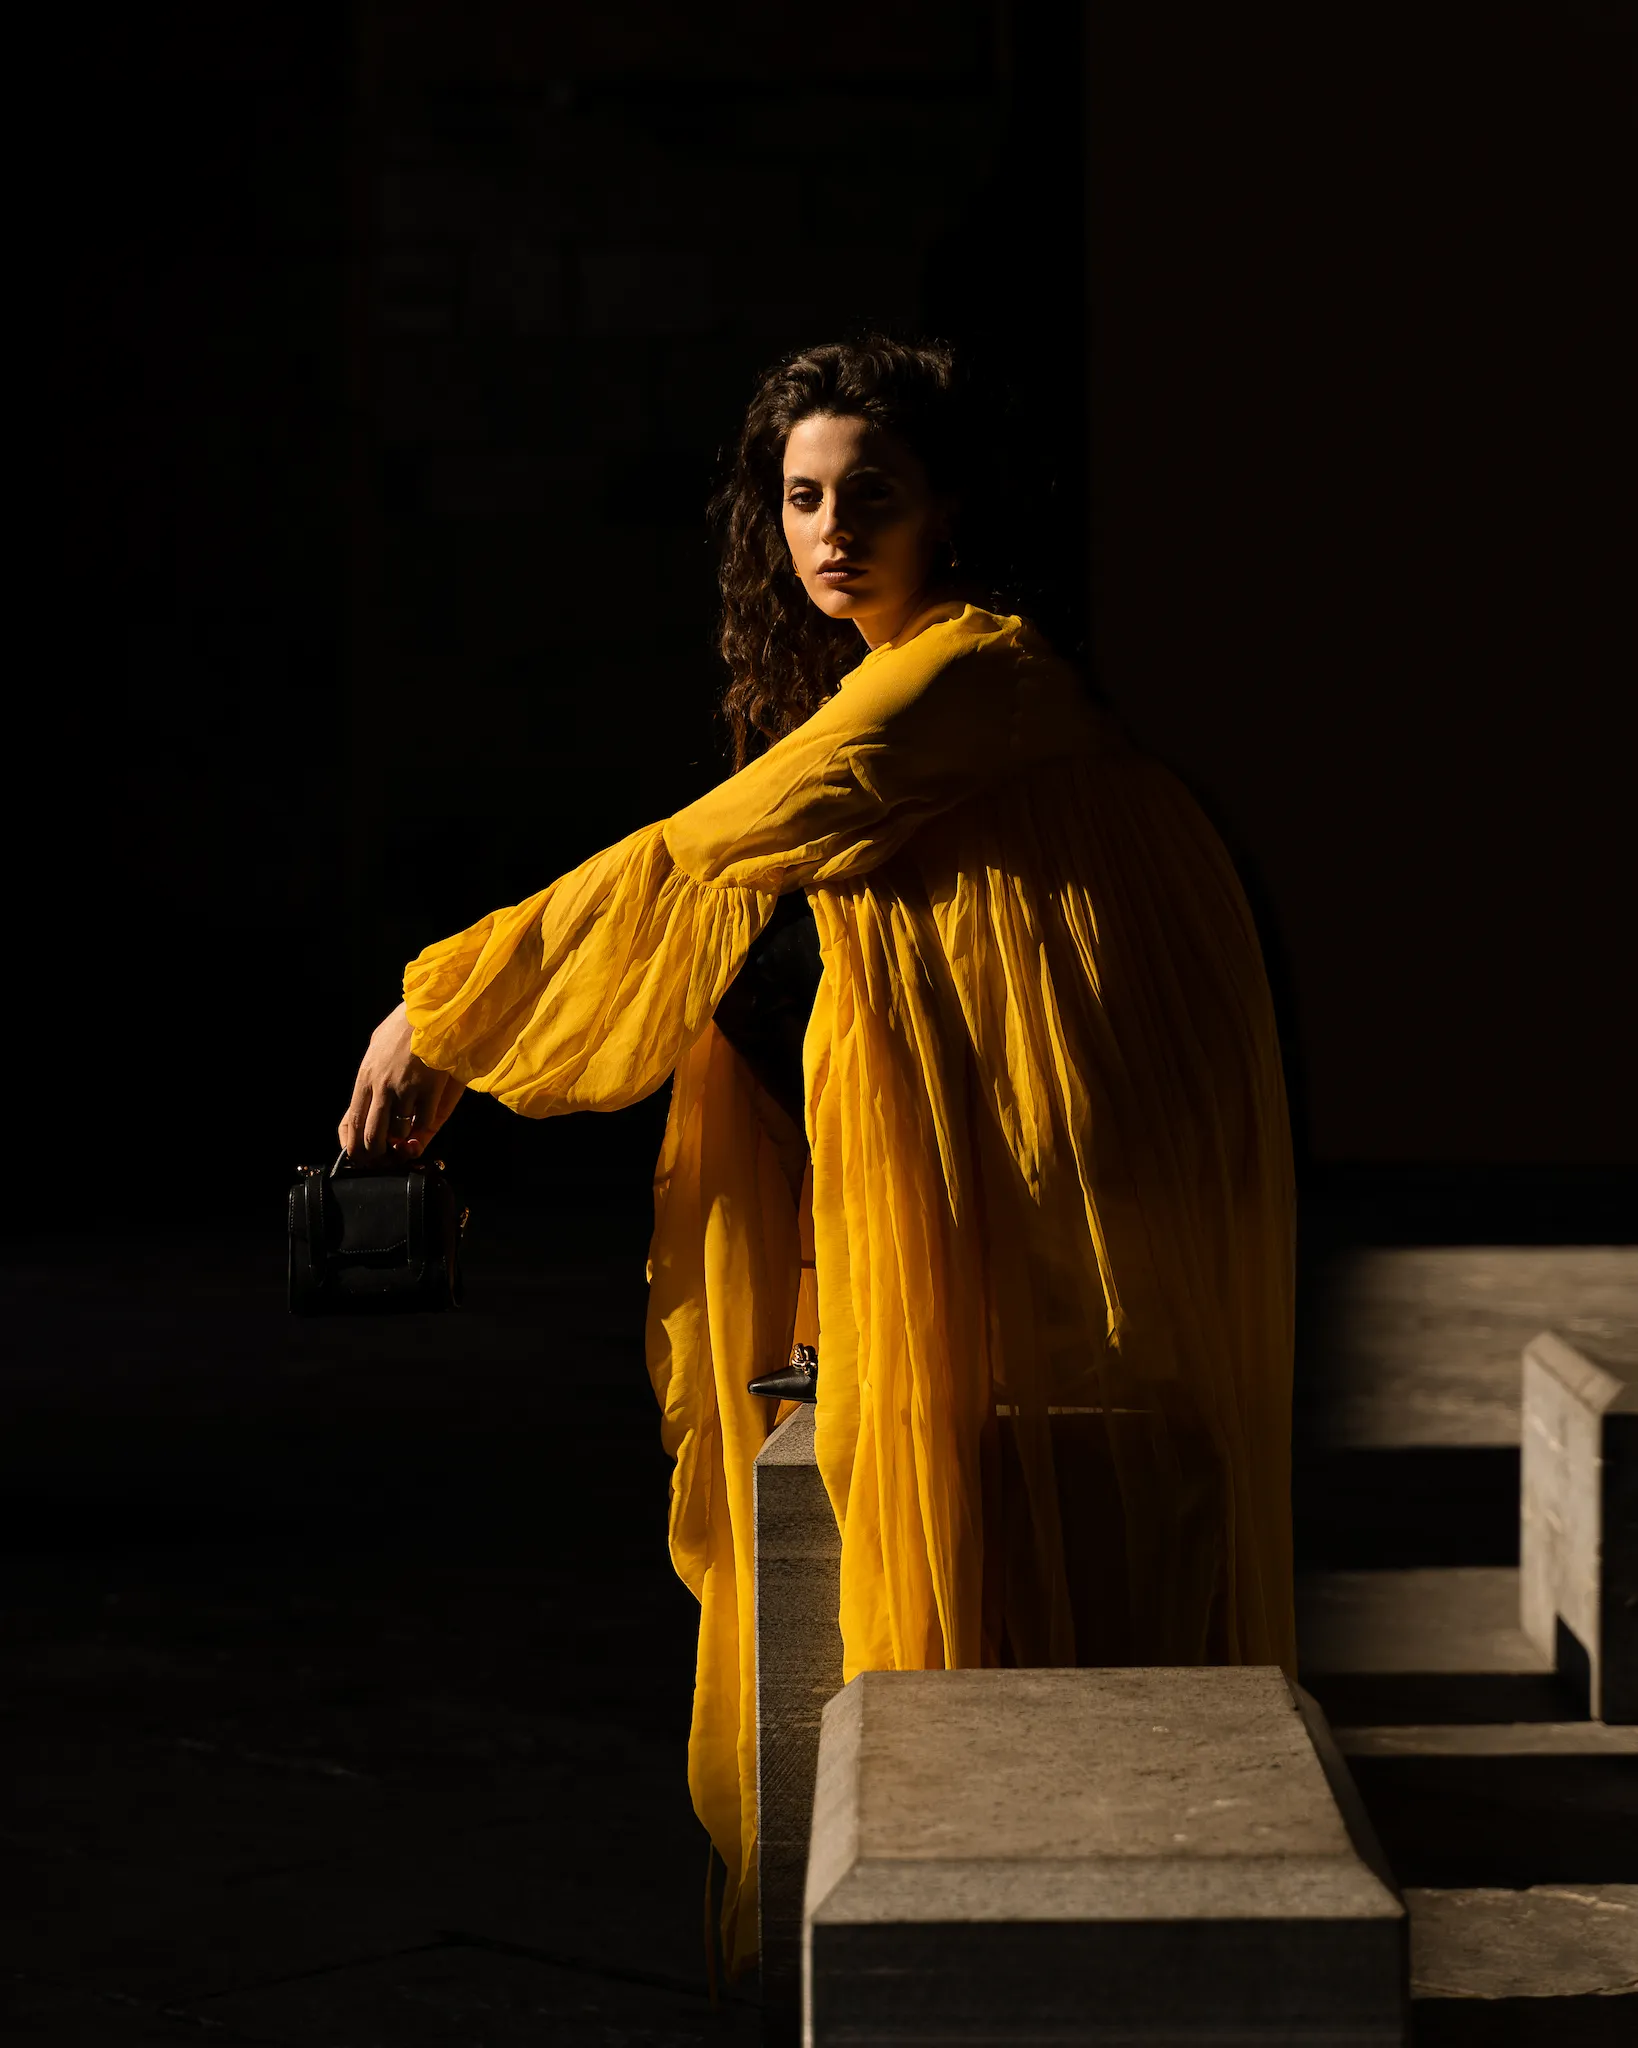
[{"x": 812, "y": 483}]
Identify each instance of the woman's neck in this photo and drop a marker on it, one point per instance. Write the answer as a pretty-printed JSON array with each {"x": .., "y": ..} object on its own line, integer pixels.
[{"x": 923, "y": 611}]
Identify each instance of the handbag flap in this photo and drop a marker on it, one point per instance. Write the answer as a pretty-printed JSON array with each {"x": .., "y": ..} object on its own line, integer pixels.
[{"x": 369, "y": 1213}]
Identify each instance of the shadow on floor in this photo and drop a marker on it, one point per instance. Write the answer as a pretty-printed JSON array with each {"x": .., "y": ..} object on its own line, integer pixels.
[{"x": 346, "y": 1681}]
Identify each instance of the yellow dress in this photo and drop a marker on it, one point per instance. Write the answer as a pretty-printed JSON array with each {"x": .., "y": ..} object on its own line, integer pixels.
[{"x": 1051, "y": 1187}]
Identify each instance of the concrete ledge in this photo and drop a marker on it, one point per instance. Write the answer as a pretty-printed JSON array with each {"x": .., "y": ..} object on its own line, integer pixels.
[
  {"x": 798, "y": 1668},
  {"x": 1529, "y": 1738},
  {"x": 1407, "y": 1414},
  {"x": 1578, "y": 1549},
  {"x": 1420, "y": 1346},
  {"x": 1117, "y": 1855},
  {"x": 1550, "y": 1967},
  {"x": 1424, "y": 1646},
  {"x": 1493, "y": 1806},
  {"x": 1427, "y": 1622}
]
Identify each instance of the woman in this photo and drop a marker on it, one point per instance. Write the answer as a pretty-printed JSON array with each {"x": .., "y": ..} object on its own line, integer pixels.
[{"x": 1049, "y": 1192}]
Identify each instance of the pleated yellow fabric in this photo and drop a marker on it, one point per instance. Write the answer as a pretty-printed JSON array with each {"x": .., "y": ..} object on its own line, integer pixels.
[{"x": 1051, "y": 1188}]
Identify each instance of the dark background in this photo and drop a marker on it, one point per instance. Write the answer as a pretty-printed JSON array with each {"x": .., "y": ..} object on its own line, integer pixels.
[
  {"x": 392, "y": 352},
  {"x": 380, "y": 357}
]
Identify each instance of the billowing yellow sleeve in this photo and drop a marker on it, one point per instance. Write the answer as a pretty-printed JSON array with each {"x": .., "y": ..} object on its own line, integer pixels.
[
  {"x": 586, "y": 995},
  {"x": 914, "y": 730}
]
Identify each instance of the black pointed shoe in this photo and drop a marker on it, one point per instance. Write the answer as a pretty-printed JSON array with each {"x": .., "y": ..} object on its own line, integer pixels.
[{"x": 798, "y": 1382}]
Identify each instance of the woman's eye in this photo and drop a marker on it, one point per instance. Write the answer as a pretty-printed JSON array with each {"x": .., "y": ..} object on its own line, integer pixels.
[{"x": 804, "y": 501}]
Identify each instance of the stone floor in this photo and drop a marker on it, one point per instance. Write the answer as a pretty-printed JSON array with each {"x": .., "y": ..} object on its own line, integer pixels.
[
  {"x": 1409, "y": 1372},
  {"x": 1509, "y": 1817},
  {"x": 1421, "y": 1346},
  {"x": 345, "y": 1681}
]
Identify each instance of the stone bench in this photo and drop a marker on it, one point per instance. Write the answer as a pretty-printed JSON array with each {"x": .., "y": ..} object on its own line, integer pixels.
[
  {"x": 1578, "y": 1545},
  {"x": 1107, "y": 1856},
  {"x": 1407, "y": 1412},
  {"x": 1423, "y": 1646},
  {"x": 1501, "y": 1804},
  {"x": 1547, "y": 1967},
  {"x": 798, "y": 1668}
]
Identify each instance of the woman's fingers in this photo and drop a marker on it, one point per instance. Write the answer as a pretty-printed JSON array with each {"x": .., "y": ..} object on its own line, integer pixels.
[
  {"x": 351, "y": 1128},
  {"x": 398, "y": 1101},
  {"x": 378, "y": 1125}
]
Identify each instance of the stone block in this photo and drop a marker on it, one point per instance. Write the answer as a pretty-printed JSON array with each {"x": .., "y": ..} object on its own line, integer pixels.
[
  {"x": 798, "y": 1668},
  {"x": 1407, "y": 1399},
  {"x": 1419, "y": 1348},
  {"x": 1554, "y": 1965},
  {"x": 1578, "y": 1546},
  {"x": 1501, "y": 1804},
  {"x": 1125, "y": 1855},
  {"x": 1421, "y": 1646}
]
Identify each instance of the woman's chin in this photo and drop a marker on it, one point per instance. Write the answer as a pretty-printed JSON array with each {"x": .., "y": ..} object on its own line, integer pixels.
[{"x": 842, "y": 601}]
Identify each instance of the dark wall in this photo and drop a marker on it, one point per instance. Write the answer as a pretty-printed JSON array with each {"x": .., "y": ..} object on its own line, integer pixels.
[
  {"x": 391, "y": 356},
  {"x": 404, "y": 348},
  {"x": 586, "y": 237},
  {"x": 1362, "y": 374},
  {"x": 182, "y": 746}
]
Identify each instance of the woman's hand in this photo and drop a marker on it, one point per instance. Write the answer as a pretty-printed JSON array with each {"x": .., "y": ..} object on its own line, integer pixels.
[{"x": 398, "y": 1102}]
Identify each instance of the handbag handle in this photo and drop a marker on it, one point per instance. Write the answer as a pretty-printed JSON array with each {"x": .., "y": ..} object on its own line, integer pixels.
[{"x": 345, "y": 1165}]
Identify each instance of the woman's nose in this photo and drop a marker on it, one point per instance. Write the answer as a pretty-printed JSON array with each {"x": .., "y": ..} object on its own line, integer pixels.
[{"x": 835, "y": 524}]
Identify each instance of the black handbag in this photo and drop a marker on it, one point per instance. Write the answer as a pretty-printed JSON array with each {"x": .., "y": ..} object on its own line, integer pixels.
[{"x": 375, "y": 1241}]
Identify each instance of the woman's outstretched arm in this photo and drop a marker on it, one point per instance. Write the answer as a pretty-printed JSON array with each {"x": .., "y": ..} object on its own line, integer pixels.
[
  {"x": 583, "y": 997},
  {"x": 586, "y": 995}
]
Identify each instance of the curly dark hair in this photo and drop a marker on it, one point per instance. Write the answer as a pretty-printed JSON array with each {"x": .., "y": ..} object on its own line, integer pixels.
[{"x": 784, "y": 655}]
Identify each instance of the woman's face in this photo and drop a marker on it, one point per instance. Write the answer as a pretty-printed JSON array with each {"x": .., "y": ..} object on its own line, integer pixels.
[{"x": 864, "y": 529}]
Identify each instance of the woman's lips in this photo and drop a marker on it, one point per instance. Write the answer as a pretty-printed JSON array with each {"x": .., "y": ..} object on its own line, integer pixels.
[{"x": 839, "y": 572}]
